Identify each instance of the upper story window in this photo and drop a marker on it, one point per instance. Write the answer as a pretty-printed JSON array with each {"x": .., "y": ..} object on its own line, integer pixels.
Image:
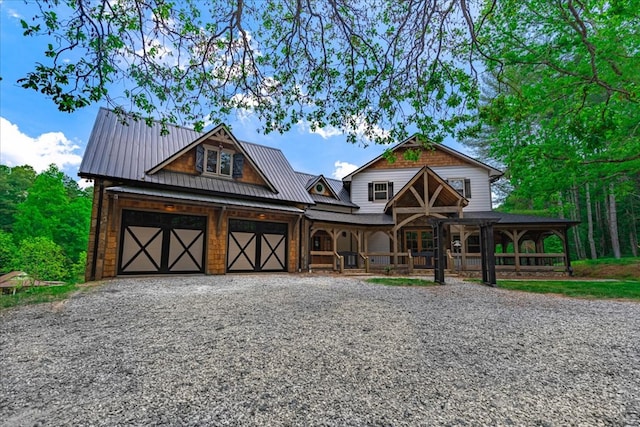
[
  {"x": 461, "y": 185},
  {"x": 218, "y": 161},
  {"x": 380, "y": 191}
]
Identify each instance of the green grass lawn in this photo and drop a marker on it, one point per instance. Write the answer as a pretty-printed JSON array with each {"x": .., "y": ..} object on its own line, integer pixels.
[
  {"x": 624, "y": 289},
  {"x": 608, "y": 268},
  {"x": 400, "y": 281},
  {"x": 38, "y": 294}
]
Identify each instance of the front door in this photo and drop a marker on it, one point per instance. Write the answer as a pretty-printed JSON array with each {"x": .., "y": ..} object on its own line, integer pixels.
[
  {"x": 420, "y": 243},
  {"x": 256, "y": 246}
]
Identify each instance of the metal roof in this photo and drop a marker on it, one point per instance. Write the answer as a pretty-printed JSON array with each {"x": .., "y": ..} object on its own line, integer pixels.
[
  {"x": 193, "y": 197},
  {"x": 509, "y": 218},
  {"x": 346, "y": 218},
  {"x": 121, "y": 148}
]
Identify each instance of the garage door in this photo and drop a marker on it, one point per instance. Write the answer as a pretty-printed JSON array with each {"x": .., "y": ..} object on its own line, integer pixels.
[
  {"x": 154, "y": 242},
  {"x": 256, "y": 246}
]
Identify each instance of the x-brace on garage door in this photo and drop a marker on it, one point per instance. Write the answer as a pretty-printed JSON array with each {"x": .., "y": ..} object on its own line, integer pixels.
[
  {"x": 153, "y": 242},
  {"x": 256, "y": 246}
]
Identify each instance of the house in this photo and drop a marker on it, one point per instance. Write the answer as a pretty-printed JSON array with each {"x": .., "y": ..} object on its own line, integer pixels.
[{"x": 189, "y": 202}]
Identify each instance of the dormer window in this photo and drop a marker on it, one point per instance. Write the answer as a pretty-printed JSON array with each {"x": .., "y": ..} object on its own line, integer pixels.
[
  {"x": 218, "y": 161},
  {"x": 319, "y": 188},
  {"x": 380, "y": 191}
]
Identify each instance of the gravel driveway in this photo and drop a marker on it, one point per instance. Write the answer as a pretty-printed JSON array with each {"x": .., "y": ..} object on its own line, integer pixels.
[{"x": 318, "y": 350}]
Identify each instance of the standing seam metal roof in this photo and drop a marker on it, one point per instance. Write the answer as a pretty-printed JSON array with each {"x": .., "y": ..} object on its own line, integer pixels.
[{"x": 121, "y": 148}]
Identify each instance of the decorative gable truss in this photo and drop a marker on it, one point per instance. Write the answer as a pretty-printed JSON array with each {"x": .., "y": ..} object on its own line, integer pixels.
[{"x": 425, "y": 195}]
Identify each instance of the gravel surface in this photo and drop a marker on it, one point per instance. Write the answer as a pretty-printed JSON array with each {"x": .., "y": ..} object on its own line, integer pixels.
[{"x": 318, "y": 350}]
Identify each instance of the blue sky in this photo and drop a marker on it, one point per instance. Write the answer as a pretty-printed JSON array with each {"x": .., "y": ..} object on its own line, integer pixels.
[{"x": 33, "y": 131}]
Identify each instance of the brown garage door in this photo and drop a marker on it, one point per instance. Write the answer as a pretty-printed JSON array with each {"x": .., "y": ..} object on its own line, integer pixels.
[
  {"x": 153, "y": 242},
  {"x": 256, "y": 246}
]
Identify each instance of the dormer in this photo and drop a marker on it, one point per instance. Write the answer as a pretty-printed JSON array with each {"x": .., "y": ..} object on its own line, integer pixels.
[
  {"x": 217, "y": 155},
  {"x": 321, "y": 187}
]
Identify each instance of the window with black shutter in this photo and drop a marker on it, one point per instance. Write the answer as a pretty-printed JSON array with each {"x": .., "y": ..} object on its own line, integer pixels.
[{"x": 380, "y": 191}]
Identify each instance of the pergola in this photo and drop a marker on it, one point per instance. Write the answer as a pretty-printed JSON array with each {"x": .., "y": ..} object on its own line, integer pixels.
[{"x": 487, "y": 247}]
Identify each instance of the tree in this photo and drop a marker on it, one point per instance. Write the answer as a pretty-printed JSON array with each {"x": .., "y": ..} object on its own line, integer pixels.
[
  {"x": 561, "y": 107},
  {"x": 7, "y": 252},
  {"x": 55, "y": 208},
  {"x": 369, "y": 68},
  {"x": 14, "y": 183}
]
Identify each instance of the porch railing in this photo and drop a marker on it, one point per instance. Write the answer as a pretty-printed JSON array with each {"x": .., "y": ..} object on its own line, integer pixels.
[
  {"x": 323, "y": 260},
  {"x": 509, "y": 262},
  {"x": 389, "y": 260}
]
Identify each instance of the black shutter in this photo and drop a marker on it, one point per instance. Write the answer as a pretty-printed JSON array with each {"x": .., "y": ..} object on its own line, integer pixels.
[
  {"x": 467, "y": 188},
  {"x": 238, "y": 164},
  {"x": 371, "y": 191},
  {"x": 200, "y": 158},
  {"x": 389, "y": 190}
]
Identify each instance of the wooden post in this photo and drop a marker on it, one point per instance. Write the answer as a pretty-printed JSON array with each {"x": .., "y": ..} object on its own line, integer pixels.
[
  {"x": 395, "y": 247},
  {"x": 567, "y": 258},
  {"x": 483, "y": 254},
  {"x": 490, "y": 255},
  {"x": 439, "y": 258},
  {"x": 410, "y": 262}
]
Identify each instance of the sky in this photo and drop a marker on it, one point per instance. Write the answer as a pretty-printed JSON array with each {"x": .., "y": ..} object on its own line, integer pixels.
[{"x": 34, "y": 132}]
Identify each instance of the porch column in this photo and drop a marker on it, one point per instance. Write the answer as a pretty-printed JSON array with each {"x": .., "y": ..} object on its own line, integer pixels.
[
  {"x": 567, "y": 258},
  {"x": 395, "y": 248},
  {"x": 334, "y": 237},
  {"x": 487, "y": 254},
  {"x": 516, "y": 249},
  {"x": 438, "y": 271}
]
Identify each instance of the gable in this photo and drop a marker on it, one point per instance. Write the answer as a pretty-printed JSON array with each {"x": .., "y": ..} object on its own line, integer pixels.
[
  {"x": 187, "y": 163},
  {"x": 321, "y": 187},
  {"x": 435, "y": 156},
  {"x": 191, "y": 158},
  {"x": 429, "y": 157}
]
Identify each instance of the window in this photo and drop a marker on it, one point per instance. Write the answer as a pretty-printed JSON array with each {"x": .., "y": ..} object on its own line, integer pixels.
[
  {"x": 218, "y": 162},
  {"x": 461, "y": 185},
  {"x": 319, "y": 188},
  {"x": 418, "y": 240},
  {"x": 380, "y": 191}
]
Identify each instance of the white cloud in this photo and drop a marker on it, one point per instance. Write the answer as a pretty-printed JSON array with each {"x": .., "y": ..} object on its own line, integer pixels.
[
  {"x": 355, "y": 124},
  {"x": 17, "y": 149},
  {"x": 343, "y": 169}
]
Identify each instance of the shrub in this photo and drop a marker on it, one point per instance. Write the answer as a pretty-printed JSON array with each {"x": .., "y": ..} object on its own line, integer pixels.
[{"x": 41, "y": 258}]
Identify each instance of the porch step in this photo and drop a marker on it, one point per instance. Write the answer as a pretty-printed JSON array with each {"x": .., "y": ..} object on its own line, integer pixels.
[{"x": 355, "y": 272}]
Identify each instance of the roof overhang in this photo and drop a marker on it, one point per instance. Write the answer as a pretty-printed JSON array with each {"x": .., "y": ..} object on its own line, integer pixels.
[{"x": 154, "y": 193}]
